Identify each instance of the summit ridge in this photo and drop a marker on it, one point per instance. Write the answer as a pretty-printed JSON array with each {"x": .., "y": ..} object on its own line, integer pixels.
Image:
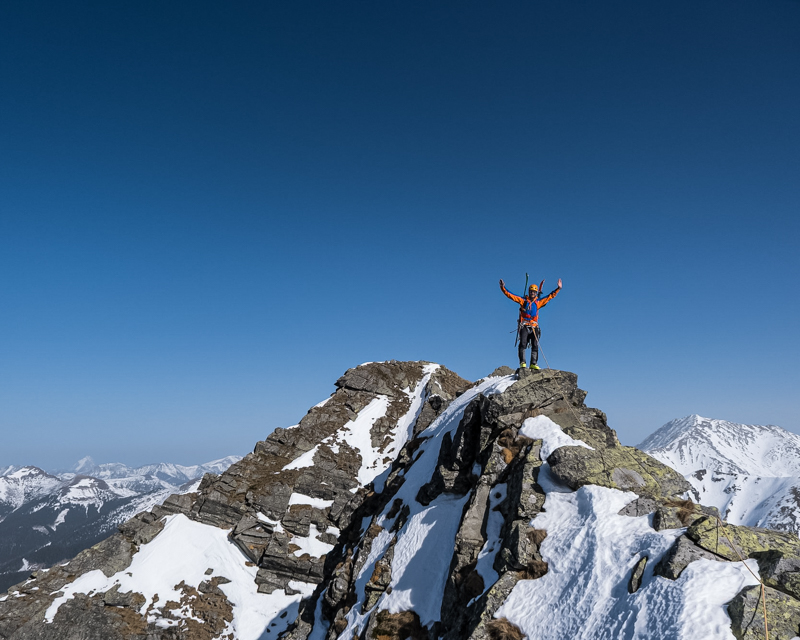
[{"x": 415, "y": 504}]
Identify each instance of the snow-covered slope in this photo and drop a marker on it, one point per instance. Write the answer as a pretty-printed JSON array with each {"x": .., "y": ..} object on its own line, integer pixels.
[
  {"x": 414, "y": 504},
  {"x": 751, "y": 473},
  {"x": 24, "y": 484},
  {"x": 46, "y": 518}
]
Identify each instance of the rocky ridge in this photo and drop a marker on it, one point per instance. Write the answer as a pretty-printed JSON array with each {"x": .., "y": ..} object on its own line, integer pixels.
[{"x": 414, "y": 504}]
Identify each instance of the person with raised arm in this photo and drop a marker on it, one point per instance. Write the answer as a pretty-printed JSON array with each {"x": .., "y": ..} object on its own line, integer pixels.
[{"x": 528, "y": 322}]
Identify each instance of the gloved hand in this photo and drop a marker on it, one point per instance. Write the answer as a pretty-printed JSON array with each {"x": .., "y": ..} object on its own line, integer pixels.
[{"x": 559, "y": 283}]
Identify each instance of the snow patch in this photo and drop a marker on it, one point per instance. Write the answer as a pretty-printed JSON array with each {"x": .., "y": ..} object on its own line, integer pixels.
[
  {"x": 276, "y": 525},
  {"x": 183, "y": 551},
  {"x": 311, "y": 545},
  {"x": 591, "y": 551},
  {"x": 494, "y": 525},
  {"x": 552, "y": 437},
  {"x": 303, "y": 460},
  {"x": 300, "y": 498},
  {"x": 60, "y": 518}
]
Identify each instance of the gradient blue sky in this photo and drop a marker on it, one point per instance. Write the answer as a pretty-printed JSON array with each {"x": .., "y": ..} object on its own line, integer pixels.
[{"x": 208, "y": 211}]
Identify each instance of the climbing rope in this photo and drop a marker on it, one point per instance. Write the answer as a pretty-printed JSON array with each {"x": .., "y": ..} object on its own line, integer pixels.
[
  {"x": 719, "y": 521},
  {"x": 763, "y": 592}
]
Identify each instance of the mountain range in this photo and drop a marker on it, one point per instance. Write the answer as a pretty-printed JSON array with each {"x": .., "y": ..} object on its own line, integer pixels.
[
  {"x": 46, "y": 518},
  {"x": 415, "y": 504},
  {"x": 751, "y": 473}
]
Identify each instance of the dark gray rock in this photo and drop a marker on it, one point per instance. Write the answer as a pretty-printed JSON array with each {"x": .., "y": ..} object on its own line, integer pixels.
[
  {"x": 502, "y": 370},
  {"x": 252, "y": 536},
  {"x": 747, "y": 616},
  {"x": 129, "y": 599},
  {"x": 520, "y": 550},
  {"x": 141, "y": 529},
  {"x": 338, "y": 593},
  {"x": 84, "y": 618},
  {"x": 179, "y": 502},
  {"x": 639, "y": 507},
  {"x": 780, "y": 572},
  {"x": 675, "y": 514},
  {"x": 382, "y": 378},
  {"x": 457, "y": 456},
  {"x": 682, "y": 552}
]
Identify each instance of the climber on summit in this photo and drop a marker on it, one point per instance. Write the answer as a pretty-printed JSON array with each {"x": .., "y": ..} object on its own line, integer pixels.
[{"x": 528, "y": 323}]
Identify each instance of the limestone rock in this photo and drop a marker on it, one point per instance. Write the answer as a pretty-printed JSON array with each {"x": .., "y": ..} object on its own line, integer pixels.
[
  {"x": 396, "y": 626},
  {"x": 780, "y": 572},
  {"x": 747, "y": 615},
  {"x": 682, "y": 552},
  {"x": 623, "y": 468},
  {"x": 636, "y": 575},
  {"x": 710, "y": 534},
  {"x": 141, "y": 529},
  {"x": 639, "y": 507},
  {"x": 382, "y": 378},
  {"x": 675, "y": 514}
]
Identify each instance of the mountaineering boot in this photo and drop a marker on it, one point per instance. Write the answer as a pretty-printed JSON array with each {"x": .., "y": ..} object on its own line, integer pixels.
[
  {"x": 536, "y": 366},
  {"x": 522, "y": 365}
]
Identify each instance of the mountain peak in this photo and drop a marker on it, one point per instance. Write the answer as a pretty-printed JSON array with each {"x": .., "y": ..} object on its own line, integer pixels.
[
  {"x": 85, "y": 465},
  {"x": 751, "y": 473},
  {"x": 412, "y": 503}
]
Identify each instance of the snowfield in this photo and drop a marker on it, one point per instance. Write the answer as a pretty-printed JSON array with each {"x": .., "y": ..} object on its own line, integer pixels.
[
  {"x": 591, "y": 552},
  {"x": 183, "y": 551}
]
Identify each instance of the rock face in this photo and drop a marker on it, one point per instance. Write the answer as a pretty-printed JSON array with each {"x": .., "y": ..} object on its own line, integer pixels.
[{"x": 414, "y": 504}]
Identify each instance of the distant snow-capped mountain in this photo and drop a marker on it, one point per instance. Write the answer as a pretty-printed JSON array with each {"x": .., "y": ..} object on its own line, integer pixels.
[
  {"x": 47, "y": 517},
  {"x": 128, "y": 481},
  {"x": 751, "y": 473}
]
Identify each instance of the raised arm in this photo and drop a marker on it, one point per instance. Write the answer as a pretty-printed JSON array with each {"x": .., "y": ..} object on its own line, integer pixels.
[
  {"x": 510, "y": 295},
  {"x": 543, "y": 301}
]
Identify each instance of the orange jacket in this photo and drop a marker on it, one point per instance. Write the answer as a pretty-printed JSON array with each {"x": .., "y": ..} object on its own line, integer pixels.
[{"x": 529, "y": 309}]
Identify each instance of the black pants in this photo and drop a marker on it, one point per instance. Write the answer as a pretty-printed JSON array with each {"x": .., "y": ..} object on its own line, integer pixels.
[{"x": 529, "y": 334}]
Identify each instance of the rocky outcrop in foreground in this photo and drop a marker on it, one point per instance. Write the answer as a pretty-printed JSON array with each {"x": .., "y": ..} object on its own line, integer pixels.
[{"x": 414, "y": 504}]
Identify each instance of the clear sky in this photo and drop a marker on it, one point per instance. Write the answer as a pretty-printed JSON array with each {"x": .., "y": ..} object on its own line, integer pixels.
[{"x": 209, "y": 211}]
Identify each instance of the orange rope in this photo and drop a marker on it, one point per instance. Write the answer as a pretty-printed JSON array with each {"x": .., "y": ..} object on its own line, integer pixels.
[{"x": 763, "y": 592}]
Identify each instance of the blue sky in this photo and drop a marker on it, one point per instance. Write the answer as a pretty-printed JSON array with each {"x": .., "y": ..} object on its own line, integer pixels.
[{"x": 209, "y": 211}]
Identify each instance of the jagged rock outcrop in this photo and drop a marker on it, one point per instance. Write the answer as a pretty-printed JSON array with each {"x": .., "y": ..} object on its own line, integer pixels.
[
  {"x": 285, "y": 504},
  {"x": 414, "y": 504}
]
